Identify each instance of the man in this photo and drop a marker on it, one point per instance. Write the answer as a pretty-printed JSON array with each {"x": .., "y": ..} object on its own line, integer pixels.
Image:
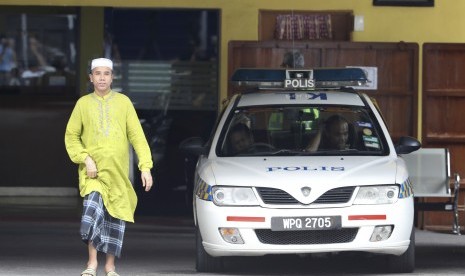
[
  {"x": 240, "y": 138},
  {"x": 333, "y": 135},
  {"x": 97, "y": 137},
  {"x": 7, "y": 60}
]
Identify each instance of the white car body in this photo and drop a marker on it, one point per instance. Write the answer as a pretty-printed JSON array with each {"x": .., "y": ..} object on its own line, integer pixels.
[
  {"x": 253, "y": 172},
  {"x": 292, "y": 175}
]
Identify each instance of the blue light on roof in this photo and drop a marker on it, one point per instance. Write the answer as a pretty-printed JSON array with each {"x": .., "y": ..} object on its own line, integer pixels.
[
  {"x": 323, "y": 77},
  {"x": 341, "y": 74},
  {"x": 259, "y": 75}
]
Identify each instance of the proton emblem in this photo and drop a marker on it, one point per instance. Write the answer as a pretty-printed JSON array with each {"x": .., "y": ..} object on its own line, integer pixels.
[{"x": 306, "y": 191}]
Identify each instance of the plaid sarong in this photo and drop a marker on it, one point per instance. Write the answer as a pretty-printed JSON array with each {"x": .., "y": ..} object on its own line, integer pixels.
[{"x": 104, "y": 231}]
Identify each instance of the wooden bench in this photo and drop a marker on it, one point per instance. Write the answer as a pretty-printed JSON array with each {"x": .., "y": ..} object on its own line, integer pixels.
[{"x": 429, "y": 172}]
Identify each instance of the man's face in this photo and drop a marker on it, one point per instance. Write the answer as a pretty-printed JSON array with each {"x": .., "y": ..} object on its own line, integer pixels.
[
  {"x": 339, "y": 135},
  {"x": 240, "y": 141},
  {"x": 101, "y": 78}
]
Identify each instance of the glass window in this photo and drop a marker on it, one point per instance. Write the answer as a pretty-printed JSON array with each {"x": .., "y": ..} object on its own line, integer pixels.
[
  {"x": 302, "y": 130},
  {"x": 38, "y": 51},
  {"x": 165, "y": 58}
]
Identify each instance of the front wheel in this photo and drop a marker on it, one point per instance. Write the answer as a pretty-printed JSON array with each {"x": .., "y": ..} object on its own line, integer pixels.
[
  {"x": 204, "y": 262},
  {"x": 404, "y": 263}
]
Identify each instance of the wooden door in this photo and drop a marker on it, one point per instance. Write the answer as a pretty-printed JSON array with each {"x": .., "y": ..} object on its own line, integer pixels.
[
  {"x": 443, "y": 104},
  {"x": 397, "y": 70}
]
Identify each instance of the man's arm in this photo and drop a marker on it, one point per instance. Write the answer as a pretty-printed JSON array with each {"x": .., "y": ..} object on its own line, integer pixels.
[
  {"x": 138, "y": 140},
  {"x": 73, "y": 143}
]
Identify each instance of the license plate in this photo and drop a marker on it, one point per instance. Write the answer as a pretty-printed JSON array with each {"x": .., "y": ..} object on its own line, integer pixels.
[{"x": 305, "y": 223}]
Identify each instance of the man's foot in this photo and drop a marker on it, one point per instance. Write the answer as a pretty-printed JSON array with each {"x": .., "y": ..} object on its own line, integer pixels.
[
  {"x": 112, "y": 273},
  {"x": 89, "y": 272}
]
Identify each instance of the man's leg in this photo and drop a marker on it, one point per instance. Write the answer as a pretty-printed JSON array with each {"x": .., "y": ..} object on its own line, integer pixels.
[
  {"x": 92, "y": 263},
  {"x": 110, "y": 263}
]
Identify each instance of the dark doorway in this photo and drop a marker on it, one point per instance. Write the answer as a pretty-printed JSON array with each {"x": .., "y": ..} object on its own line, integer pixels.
[{"x": 167, "y": 63}]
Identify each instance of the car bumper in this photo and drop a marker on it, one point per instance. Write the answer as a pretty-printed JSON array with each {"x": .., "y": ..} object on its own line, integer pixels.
[{"x": 362, "y": 219}]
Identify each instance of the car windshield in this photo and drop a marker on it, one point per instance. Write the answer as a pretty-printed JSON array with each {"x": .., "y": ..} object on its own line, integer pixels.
[{"x": 297, "y": 130}]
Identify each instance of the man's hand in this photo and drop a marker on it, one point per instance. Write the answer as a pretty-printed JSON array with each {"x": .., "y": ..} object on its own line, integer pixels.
[
  {"x": 91, "y": 167},
  {"x": 147, "y": 180},
  {"x": 315, "y": 142}
]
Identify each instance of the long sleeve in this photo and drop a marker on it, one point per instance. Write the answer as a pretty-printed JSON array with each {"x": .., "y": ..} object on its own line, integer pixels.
[
  {"x": 73, "y": 142},
  {"x": 138, "y": 140},
  {"x": 103, "y": 127}
]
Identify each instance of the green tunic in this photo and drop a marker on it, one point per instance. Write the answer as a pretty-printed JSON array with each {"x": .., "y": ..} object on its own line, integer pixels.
[{"x": 103, "y": 128}]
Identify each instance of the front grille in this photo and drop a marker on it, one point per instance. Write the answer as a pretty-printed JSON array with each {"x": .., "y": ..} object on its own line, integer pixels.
[
  {"x": 277, "y": 196},
  {"x": 343, "y": 235},
  {"x": 338, "y": 195}
]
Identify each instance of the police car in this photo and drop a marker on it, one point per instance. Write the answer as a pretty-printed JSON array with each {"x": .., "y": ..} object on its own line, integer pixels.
[{"x": 299, "y": 163}]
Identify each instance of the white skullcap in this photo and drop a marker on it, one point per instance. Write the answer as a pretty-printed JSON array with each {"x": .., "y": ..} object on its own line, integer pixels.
[{"x": 101, "y": 62}]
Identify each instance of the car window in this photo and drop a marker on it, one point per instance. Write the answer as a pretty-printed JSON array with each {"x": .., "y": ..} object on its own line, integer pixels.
[{"x": 301, "y": 130}]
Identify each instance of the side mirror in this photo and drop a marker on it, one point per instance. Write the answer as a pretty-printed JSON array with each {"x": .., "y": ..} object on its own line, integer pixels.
[
  {"x": 407, "y": 145},
  {"x": 194, "y": 146}
]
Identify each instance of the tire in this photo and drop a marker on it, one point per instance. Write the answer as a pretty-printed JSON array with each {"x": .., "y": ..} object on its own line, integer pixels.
[
  {"x": 204, "y": 262},
  {"x": 404, "y": 263}
]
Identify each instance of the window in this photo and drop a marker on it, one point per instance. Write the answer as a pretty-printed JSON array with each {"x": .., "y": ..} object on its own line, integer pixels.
[
  {"x": 331, "y": 130},
  {"x": 38, "y": 50}
]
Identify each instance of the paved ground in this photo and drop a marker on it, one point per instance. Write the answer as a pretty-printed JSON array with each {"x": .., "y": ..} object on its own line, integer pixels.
[{"x": 40, "y": 237}]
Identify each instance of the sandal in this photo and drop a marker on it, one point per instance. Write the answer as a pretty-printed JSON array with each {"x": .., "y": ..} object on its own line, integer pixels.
[
  {"x": 89, "y": 271},
  {"x": 112, "y": 273}
]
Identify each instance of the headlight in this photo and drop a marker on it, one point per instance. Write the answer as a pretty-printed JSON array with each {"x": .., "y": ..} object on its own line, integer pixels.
[
  {"x": 233, "y": 196},
  {"x": 377, "y": 195}
]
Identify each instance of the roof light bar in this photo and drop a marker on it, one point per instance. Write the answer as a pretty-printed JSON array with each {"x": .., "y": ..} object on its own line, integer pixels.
[{"x": 300, "y": 79}]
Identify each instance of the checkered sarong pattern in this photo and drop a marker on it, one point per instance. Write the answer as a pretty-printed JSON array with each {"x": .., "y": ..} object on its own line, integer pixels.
[{"x": 104, "y": 231}]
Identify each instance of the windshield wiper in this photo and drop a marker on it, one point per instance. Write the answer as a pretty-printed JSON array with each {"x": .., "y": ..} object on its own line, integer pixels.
[
  {"x": 286, "y": 152},
  {"x": 335, "y": 152}
]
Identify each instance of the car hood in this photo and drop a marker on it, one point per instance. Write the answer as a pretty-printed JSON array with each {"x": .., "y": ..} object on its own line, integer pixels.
[{"x": 292, "y": 174}]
